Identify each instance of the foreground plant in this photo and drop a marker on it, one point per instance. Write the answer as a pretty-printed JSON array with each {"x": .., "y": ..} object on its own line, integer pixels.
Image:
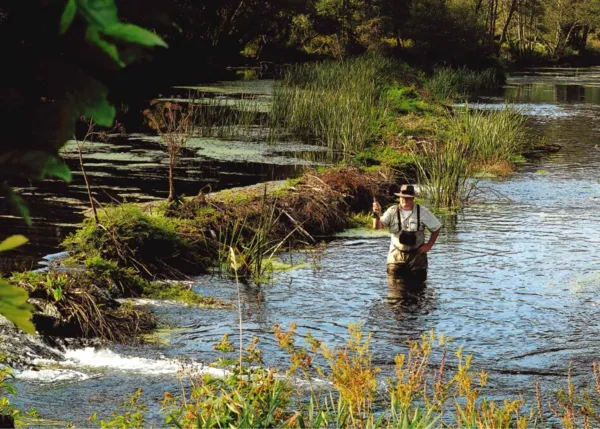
[{"x": 429, "y": 388}]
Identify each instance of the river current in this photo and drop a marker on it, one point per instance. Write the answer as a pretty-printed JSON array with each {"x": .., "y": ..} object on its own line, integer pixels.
[{"x": 514, "y": 278}]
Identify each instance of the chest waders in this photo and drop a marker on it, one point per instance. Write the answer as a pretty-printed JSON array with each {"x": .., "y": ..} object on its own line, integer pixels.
[{"x": 405, "y": 256}]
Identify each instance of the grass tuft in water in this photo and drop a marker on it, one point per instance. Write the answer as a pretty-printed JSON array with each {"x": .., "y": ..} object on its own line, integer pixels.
[
  {"x": 450, "y": 83},
  {"x": 338, "y": 104}
]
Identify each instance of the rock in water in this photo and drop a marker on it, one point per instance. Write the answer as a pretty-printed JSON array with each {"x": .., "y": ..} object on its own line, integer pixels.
[{"x": 20, "y": 349}]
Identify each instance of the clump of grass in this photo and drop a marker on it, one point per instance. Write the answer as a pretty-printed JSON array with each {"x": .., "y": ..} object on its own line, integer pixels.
[
  {"x": 177, "y": 291},
  {"x": 449, "y": 83},
  {"x": 467, "y": 143},
  {"x": 493, "y": 136},
  {"x": 149, "y": 242},
  {"x": 338, "y": 104},
  {"x": 443, "y": 170}
]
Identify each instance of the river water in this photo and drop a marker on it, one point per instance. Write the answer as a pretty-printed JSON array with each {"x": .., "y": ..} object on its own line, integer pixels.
[{"x": 514, "y": 279}]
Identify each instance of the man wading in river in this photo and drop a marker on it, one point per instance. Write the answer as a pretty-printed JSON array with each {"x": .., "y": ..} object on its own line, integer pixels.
[{"x": 407, "y": 222}]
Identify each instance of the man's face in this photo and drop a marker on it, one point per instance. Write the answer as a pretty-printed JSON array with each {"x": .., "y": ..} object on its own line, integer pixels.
[{"x": 406, "y": 203}]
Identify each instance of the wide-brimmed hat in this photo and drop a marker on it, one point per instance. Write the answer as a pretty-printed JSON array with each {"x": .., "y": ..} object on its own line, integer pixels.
[{"x": 406, "y": 191}]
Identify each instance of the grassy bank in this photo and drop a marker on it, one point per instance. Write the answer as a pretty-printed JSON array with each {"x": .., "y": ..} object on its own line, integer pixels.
[
  {"x": 378, "y": 111},
  {"x": 179, "y": 240}
]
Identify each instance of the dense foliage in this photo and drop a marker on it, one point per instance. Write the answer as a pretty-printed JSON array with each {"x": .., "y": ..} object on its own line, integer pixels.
[{"x": 454, "y": 32}]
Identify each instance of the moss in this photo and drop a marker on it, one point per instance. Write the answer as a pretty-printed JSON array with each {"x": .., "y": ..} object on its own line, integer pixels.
[
  {"x": 149, "y": 242},
  {"x": 122, "y": 282},
  {"x": 179, "y": 292},
  {"x": 76, "y": 304},
  {"x": 383, "y": 155}
]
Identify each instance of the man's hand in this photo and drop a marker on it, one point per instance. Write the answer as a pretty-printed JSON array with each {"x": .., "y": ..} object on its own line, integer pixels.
[{"x": 376, "y": 207}]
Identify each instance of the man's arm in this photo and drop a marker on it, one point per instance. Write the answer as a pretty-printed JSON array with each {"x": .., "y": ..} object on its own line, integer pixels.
[
  {"x": 377, "y": 223},
  {"x": 427, "y": 246},
  {"x": 377, "y": 215}
]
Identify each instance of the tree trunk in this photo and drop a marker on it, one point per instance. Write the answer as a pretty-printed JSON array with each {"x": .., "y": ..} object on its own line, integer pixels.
[{"x": 511, "y": 11}]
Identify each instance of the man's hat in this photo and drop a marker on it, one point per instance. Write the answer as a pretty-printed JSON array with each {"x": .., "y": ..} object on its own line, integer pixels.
[{"x": 406, "y": 191}]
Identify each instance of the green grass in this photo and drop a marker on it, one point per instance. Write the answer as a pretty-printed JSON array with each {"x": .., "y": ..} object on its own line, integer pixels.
[
  {"x": 383, "y": 155},
  {"x": 467, "y": 144},
  {"x": 449, "y": 83},
  {"x": 148, "y": 241},
  {"x": 176, "y": 291},
  {"x": 336, "y": 104},
  {"x": 492, "y": 136}
]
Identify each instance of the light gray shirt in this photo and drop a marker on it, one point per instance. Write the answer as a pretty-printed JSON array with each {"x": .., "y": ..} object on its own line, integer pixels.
[{"x": 409, "y": 223}]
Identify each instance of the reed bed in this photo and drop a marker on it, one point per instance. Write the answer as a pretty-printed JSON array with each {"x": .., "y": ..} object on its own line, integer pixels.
[
  {"x": 443, "y": 170},
  {"x": 338, "y": 104},
  {"x": 493, "y": 136},
  {"x": 465, "y": 143},
  {"x": 447, "y": 83}
]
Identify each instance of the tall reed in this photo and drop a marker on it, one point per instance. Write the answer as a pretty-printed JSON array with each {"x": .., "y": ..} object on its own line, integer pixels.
[
  {"x": 493, "y": 136},
  {"x": 338, "y": 104},
  {"x": 447, "y": 83},
  {"x": 443, "y": 170},
  {"x": 469, "y": 141}
]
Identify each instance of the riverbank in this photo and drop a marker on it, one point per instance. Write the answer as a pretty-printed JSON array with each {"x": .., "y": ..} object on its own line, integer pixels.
[{"x": 399, "y": 129}]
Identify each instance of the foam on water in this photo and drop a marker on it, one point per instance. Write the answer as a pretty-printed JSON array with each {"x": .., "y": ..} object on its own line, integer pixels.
[
  {"x": 109, "y": 360},
  {"x": 51, "y": 375}
]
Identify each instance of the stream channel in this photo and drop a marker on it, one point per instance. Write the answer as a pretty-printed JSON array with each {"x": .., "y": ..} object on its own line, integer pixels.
[{"x": 514, "y": 278}]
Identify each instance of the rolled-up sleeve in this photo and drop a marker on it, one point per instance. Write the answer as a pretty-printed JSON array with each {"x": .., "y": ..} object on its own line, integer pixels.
[
  {"x": 387, "y": 217},
  {"x": 429, "y": 220}
]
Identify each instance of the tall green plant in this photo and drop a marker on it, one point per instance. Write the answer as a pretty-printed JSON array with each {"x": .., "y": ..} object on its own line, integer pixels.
[
  {"x": 493, "y": 136},
  {"x": 13, "y": 300},
  {"x": 449, "y": 83},
  {"x": 338, "y": 104}
]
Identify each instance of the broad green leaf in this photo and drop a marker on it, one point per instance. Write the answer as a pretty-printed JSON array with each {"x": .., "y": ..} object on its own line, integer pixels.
[
  {"x": 96, "y": 105},
  {"x": 134, "y": 34},
  {"x": 68, "y": 15},
  {"x": 102, "y": 13},
  {"x": 93, "y": 36},
  {"x": 39, "y": 165},
  {"x": 56, "y": 167},
  {"x": 16, "y": 202},
  {"x": 13, "y": 242},
  {"x": 14, "y": 306}
]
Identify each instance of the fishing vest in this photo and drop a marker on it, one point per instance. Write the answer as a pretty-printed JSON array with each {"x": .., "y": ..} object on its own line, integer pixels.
[{"x": 405, "y": 235}]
